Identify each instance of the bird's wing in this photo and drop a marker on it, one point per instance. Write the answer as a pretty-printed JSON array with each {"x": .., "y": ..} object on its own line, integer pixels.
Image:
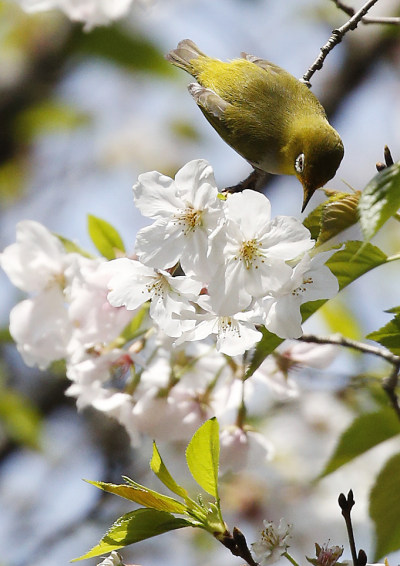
[
  {"x": 208, "y": 100},
  {"x": 263, "y": 64}
]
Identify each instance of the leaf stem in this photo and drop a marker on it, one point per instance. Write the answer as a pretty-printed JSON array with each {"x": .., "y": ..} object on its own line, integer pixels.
[{"x": 290, "y": 558}]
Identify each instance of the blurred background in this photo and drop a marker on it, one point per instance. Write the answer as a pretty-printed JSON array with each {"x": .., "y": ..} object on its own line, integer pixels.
[{"x": 82, "y": 114}]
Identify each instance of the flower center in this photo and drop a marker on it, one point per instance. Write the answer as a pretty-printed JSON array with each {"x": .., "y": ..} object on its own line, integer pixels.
[
  {"x": 250, "y": 253},
  {"x": 157, "y": 286},
  {"x": 227, "y": 325},
  {"x": 189, "y": 219},
  {"x": 303, "y": 287}
]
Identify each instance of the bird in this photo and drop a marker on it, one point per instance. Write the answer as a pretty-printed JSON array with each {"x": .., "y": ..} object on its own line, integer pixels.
[{"x": 265, "y": 114}]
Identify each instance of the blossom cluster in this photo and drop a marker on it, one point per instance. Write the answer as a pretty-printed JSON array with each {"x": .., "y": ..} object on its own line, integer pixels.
[
  {"x": 156, "y": 341},
  {"x": 239, "y": 268},
  {"x": 91, "y": 12}
]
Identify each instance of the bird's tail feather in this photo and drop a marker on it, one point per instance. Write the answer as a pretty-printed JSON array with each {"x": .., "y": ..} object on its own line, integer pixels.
[{"x": 183, "y": 55}]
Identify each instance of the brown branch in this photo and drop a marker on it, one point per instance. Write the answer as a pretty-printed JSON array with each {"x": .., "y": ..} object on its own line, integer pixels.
[
  {"x": 366, "y": 19},
  {"x": 390, "y": 383},
  {"x": 336, "y": 37}
]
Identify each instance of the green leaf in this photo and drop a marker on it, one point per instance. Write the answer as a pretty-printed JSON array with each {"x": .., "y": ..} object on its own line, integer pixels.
[
  {"x": 105, "y": 237},
  {"x": 202, "y": 456},
  {"x": 71, "y": 247},
  {"x": 5, "y": 336},
  {"x": 389, "y": 335},
  {"x": 268, "y": 343},
  {"x": 379, "y": 200},
  {"x": 142, "y": 495},
  {"x": 394, "y": 310},
  {"x": 384, "y": 505},
  {"x": 340, "y": 318},
  {"x": 333, "y": 216},
  {"x": 354, "y": 260},
  {"x": 47, "y": 116},
  {"x": 364, "y": 433},
  {"x": 348, "y": 264},
  {"x": 133, "y": 52},
  {"x": 20, "y": 418},
  {"x": 161, "y": 471},
  {"x": 134, "y": 328},
  {"x": 136, "y": 526}
]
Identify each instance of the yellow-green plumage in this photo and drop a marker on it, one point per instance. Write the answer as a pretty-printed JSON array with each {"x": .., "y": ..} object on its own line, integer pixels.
[{"x": 267, "y": 115}]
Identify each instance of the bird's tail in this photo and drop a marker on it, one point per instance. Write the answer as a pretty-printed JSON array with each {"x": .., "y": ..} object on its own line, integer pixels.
[{"x": 184, "y": 54}]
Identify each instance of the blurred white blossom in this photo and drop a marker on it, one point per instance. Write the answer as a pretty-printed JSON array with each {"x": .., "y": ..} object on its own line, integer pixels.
[
  {"x": 90, "y": 12},
  {"x": 273, "y": 542},
  {"x": 114, "y": 559}
]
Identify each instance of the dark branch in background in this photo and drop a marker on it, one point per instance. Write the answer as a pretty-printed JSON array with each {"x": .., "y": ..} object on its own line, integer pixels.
[
  {"x": 365, "y": 19},
  {"x": 47, "y": 57},
  {"x": 390, "y": 383},
  {"x": 336, "y": 37},
  {"x": 346, "y": 504}
]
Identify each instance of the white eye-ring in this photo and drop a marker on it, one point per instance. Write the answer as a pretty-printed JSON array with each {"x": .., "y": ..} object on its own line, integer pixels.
[{"x": 299, "y": 163}]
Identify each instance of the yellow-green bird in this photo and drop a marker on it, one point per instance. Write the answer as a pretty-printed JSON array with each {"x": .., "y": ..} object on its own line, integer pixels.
[{"x": 268, "y": 116}]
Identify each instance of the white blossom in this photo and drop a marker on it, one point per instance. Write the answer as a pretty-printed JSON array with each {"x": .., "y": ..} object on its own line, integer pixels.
[
  {"x": 41, "y": 328},
  {"x": 115, "y": 559},
  {"x": 37, "y": 260},
  {"x": 243, "y": 448},
  {"x": 186, "y": 211},
  {"x": 131, "y": 284},
  {"x": 91, "y": 12},
  {"x": 273, "y": 542},
  {"x": 310, "y": 280},
  {"x": 235, "y": 333},
  {"x": 252, "y": 250}
]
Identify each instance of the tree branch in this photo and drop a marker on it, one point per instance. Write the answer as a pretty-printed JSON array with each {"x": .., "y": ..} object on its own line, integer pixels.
[
  {"x": 336, "y": 37},
  {"x": 389, "y": 384},
  {"x": 366, "y": 20}
]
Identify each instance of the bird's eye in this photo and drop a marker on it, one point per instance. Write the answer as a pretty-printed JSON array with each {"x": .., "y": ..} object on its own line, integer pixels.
[{"x": 299, "y": 163}]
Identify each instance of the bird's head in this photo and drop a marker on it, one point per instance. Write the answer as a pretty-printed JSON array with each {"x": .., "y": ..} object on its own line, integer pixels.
[{"x": 317, "y": 156}]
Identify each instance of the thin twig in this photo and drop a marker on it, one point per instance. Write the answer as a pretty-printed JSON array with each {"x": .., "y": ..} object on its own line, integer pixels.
[
  {"x": 389, "y": 384},
  {"x": 336, "y": 37},
  {"x": 366, "y": 19},
  {"x": 339, "y": 340}
]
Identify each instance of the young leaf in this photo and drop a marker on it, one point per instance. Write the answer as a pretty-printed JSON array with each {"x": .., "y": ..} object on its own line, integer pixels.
[
  {"x": 364, "y": 433},
  {"x": 202, "y": 456},
  {"x": 159, "y": 468},
  {"x": 379, "y": 200},
  {"x": 389, "y": 335},
  {"x": 71, "y": 247},
  {"x": 134, "y": 328},
  {"x": 384, "y": 505},
  {"x": 268, "y": 343},
  {"x": 136, "y": 526},
  {"x": 333, "y": 216},
  {"x": 354, "y": 260},
  {"x": 394, "y": 310},
  {"x": 105, "y": 237},
  {"x": 143, "y": 496}
]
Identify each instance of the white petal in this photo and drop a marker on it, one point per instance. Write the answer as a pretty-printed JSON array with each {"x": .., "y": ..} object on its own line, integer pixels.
[
  {"x": 155, "y": 195},
  {"x": 250, "y": 210}
]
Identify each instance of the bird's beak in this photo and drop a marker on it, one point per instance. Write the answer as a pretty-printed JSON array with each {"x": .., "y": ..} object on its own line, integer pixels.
[{"x": 308, "y": 193}]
